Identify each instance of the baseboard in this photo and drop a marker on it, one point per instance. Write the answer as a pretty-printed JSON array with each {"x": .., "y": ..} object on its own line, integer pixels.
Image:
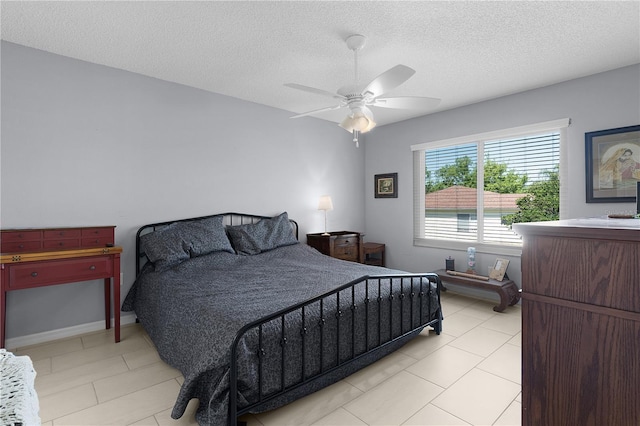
[{"x": 63, "y": 333}]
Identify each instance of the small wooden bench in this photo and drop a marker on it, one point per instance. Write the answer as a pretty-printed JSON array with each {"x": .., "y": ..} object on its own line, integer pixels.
[{"x": 507, "y": 289}]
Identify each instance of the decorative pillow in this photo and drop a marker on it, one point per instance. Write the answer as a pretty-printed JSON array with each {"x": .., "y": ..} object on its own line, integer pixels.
[
  {"x": 265, "y": 235},
  {"x": 179, "y": 241},
  {"x": 163, "y": 249},
  {"x": 206, "y": 236}
]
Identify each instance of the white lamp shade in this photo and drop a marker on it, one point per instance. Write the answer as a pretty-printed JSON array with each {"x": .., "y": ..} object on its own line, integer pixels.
[{"x": 325, "y": 203}]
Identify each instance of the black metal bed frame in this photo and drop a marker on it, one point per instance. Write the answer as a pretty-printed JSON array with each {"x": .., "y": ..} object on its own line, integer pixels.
[{"x": 412, "y": 286}]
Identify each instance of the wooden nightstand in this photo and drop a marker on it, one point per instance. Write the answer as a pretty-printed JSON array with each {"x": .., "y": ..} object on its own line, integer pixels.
[
  {"x": 374, "y": 254},
  {"x": 345, "y": 245}
]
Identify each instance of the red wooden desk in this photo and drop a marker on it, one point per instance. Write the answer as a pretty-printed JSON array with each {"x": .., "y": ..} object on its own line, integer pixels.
[{"x": 44, "y": 268}]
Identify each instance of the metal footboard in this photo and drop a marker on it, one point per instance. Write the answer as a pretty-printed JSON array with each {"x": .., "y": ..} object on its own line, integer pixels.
[{"x": 353, "y": 321}]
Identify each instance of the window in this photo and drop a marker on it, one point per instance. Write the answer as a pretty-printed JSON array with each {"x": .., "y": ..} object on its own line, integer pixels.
[
  {"x": 465, "y": 223},
  {"x": 469, "y": 190}
]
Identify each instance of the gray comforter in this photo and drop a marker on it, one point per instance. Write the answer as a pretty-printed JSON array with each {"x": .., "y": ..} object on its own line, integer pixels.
[{"x": 193, "y": 312}]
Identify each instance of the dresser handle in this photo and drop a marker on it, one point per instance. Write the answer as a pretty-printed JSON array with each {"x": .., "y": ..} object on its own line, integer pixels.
[
  {"x": 34, "y": 274},
  {"x": 92, "y": 267},
  {"x": 21, "y": 246}
]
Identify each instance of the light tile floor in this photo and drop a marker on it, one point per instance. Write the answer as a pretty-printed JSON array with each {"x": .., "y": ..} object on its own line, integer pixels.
[{"x": 469, "y": 375}]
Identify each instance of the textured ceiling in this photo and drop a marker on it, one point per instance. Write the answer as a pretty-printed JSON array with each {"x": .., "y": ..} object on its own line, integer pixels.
[{"x": 463, "y": 51}]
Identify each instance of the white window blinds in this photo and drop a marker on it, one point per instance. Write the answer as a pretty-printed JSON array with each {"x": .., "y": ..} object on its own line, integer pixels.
[{"x": 470, "y": 189}]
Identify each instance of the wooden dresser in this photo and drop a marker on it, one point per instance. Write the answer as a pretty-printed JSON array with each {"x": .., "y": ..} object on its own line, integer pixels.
[
  {"x": 581, "y": 322},
  {"x": 345, "y": 245},
  {"x": 42, "y": 257}
]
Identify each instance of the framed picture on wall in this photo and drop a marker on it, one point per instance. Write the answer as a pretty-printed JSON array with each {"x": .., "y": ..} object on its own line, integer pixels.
[
  {"x": 386, "y": 185},
  {"x": 612, "y": 165}
]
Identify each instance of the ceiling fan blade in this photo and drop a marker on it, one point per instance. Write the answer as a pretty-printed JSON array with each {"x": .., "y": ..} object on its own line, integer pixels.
[
  {"x": 314, "y": 90},
  {"x": 388, "y": 80},
  {"x": 406, "y": 102},
  {"x": 331, "y": 108}
]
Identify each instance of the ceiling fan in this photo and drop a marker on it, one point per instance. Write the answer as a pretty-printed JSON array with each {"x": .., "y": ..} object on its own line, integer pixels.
[{"x": 359, "y": 98}]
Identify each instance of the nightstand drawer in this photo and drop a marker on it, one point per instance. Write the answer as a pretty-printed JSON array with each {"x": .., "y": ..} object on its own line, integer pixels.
[
  {"x": 35, "y": 274},
  {"x": 347, "y": 255},
  {"x": 345, "y": 245},
  {"x": 347, "y": 241},
  {"x": 346, "y": 248}
]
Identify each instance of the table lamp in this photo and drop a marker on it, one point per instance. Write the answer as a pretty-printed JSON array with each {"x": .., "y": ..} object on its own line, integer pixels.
[{"x": 325, "y": 204}]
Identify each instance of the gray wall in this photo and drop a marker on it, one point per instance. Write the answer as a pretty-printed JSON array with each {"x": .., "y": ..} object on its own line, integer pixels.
[
  {"x": 602, "y": 101},
  {"x": 84, "y": 144}
]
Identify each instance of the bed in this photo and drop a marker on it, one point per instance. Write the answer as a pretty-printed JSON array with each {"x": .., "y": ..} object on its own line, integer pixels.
[{"x": 254, "y": 320}]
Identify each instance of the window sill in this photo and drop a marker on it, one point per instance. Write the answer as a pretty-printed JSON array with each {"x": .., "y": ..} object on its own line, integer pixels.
[{"x": 462, "y": 246}]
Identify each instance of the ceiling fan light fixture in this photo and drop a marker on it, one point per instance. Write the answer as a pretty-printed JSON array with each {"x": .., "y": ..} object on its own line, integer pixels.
[
  {"x": 360, "y": 120},
  {"x": 370, "y": 122}
]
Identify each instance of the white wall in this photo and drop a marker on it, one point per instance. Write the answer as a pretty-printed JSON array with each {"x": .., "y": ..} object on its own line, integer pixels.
[
  {"x": 602, "y": 101},
  {"x": 84, "y": 144}
]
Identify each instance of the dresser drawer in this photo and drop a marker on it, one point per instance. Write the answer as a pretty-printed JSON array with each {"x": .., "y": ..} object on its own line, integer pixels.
[{"x": 34, "y": 274}]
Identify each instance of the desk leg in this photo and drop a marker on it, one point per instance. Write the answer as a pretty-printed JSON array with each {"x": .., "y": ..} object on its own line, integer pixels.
[
  {"x": 116, "y": 296},
  {"x": 107, "y": 303},
  {"x": 3, "y": 312},
  {"x": 3, "y": 304}
]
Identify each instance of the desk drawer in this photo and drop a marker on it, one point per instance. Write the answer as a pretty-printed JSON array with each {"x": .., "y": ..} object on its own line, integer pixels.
[
  {"x": 19, "y": 246},
  {"x": 26, "y": 235},
  {"x": 34, "y": 274},
  {"x": 59, "y": 234},
  {"x": 66, "y": 244},
  {"x": 19, "y": 241},
  {"x": 97, "y": 237}
]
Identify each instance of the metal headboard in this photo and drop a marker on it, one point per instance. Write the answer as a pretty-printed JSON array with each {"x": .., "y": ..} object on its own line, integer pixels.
[{"x": 229, "y": 219}]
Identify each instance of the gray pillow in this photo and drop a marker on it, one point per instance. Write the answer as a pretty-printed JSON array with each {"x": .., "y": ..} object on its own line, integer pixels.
[
  {"x": 206, "y": 236},
  {"x": 179, "y": 241},
  {"x": 265, "y": 235}
]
